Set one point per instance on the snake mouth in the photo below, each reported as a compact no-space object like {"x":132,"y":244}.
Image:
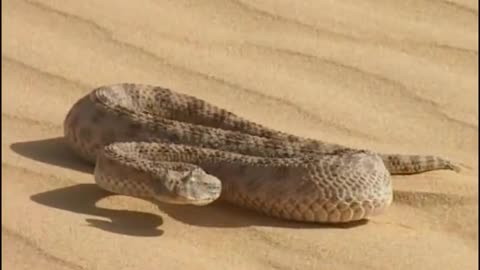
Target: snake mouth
{"x":187,"y":201}
{"x":201,"y":202}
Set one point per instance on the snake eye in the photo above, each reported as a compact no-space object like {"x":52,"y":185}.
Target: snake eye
{"x":189,"y":177}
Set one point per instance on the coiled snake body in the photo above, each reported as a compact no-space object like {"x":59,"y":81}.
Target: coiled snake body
{"x":151,"y":142}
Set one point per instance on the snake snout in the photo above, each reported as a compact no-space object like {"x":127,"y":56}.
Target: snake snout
{"x":201,"y":188}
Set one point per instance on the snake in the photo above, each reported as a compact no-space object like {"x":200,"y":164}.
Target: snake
{"x":151,"y":142}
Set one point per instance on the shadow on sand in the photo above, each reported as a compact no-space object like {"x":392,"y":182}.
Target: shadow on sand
{"x":82,"y":198}
{"x":52,"y":151}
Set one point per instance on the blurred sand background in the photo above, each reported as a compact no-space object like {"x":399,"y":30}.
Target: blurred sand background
{"x":392,"y":76}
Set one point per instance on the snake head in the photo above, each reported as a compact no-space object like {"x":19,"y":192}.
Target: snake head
{"x":194,"y":187}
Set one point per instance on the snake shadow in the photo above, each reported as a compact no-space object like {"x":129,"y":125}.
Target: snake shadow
{"x":82,"y":198}
{"x":53,"y":151}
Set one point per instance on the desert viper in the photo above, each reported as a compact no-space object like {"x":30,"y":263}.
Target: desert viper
{"x":152,"y":142}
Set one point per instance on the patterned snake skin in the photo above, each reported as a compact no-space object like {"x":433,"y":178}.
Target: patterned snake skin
{"x":152,"y":142}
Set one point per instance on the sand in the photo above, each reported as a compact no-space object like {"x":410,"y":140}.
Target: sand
{"x":391,"y":76}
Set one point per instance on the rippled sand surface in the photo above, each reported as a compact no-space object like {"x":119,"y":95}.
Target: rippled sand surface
{"x":392,"y":76}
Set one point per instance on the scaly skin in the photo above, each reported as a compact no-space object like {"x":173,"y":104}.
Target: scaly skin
{"x":146,"y":139}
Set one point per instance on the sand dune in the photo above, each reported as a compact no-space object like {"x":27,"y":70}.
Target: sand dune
{"x":392,"y":76}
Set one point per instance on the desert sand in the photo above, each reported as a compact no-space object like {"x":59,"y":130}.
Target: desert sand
{"x":391,"y":76}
